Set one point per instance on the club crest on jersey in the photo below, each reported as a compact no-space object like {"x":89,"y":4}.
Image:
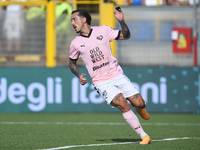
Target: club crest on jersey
{"x":99,"y":37}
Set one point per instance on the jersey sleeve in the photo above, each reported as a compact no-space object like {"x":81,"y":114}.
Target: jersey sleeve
{"x":74,"y":53}
{"x":111,"y":33}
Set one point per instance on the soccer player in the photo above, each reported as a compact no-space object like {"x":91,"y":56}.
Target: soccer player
{"x":92,"y":44}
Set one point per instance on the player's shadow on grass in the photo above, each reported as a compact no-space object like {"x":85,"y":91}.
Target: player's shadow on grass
{"x":122,"y":140}
{"x":126,"y":140}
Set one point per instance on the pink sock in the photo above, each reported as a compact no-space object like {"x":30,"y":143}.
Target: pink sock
{"x":133,"y":121}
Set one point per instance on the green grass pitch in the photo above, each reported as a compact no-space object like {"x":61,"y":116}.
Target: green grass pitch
{"x":96,"y":131}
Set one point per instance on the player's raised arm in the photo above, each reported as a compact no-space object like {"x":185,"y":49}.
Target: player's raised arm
{"x":125,"y":33}
{"x":74,"y":69}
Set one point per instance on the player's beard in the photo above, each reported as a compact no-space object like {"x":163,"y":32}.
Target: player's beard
{"x":75,"y":29}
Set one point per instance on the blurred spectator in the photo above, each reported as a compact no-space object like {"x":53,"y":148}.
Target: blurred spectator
{"x":126,"y":2}
{"x":63,"y":20}
{"x":136,"y":2}
{"x":36,"y":19}
{"x":177,"y":2}
{"x":13,"y":25}
{"x":111,"y":1}
{"x":153,"y":2}
{"x":2,"y":8}
{"x":35,"y":11}
{"x":63,"y":8}
{"x":35,"y":32}
{"x":191,"y":2}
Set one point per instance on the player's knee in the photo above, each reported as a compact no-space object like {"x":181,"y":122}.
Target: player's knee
{"x":140,"y":103}
{"x":143,"y":105}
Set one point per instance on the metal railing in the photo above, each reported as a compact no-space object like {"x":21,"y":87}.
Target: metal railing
{"x":150,"y":43}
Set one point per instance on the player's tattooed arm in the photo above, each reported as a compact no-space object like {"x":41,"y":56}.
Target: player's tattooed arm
{"x":124,"y":30}
{"x":74,"y":68}
{"x":124,"y":33}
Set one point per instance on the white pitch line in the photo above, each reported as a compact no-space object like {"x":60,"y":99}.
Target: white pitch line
{"x":106,"y":144}
{"x":102,"y":123}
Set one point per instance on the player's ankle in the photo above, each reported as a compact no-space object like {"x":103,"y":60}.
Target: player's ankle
{"x":143,"y":134}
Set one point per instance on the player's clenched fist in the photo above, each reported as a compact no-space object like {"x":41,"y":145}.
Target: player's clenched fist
{"x":82,"y":80}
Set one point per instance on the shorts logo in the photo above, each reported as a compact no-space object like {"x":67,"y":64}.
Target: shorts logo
{"x":104,"y":94}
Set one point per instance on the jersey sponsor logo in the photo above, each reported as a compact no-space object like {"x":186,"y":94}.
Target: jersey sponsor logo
{"x":96,"y":55}
{"x":99,"y":37}
{"x":100,"y":66}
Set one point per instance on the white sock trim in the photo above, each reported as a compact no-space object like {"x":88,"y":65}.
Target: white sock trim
{"x":143,"y":134}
